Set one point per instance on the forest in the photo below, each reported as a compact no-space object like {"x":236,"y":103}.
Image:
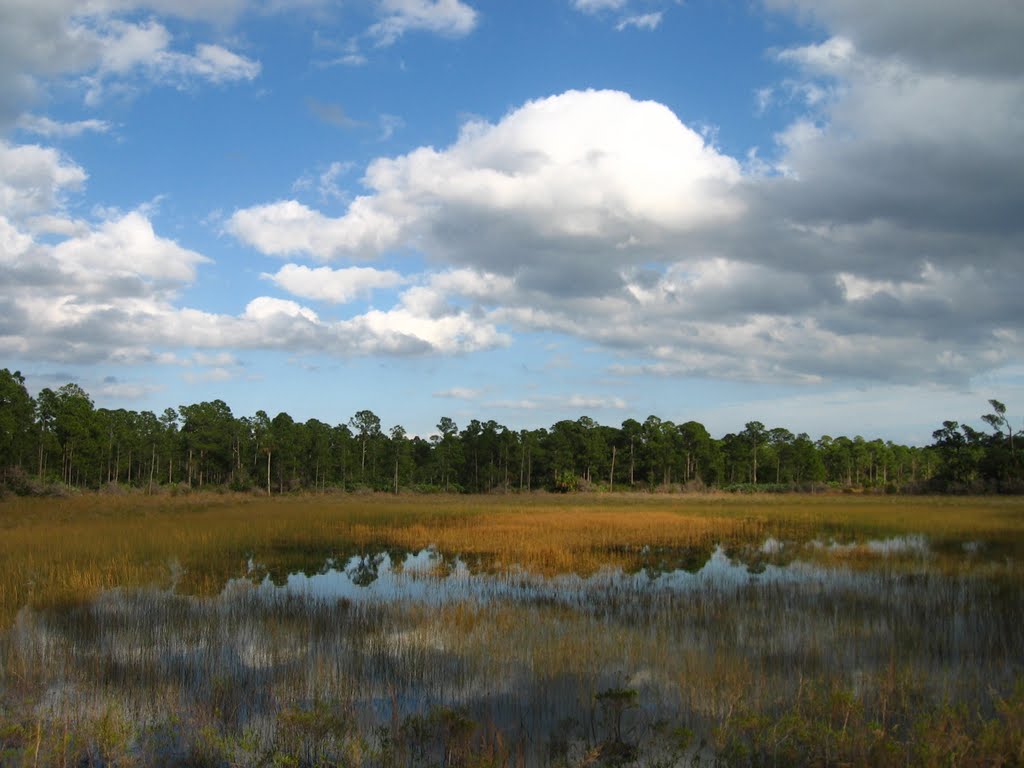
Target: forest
{"x":60,"y":440}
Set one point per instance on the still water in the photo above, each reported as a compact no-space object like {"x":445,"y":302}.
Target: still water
{"x":547,"y":664}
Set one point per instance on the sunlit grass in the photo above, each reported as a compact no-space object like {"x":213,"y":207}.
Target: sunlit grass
{"x":67,"y":550}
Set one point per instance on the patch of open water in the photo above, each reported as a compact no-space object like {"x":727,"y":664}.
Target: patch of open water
{"x":429,"y":577}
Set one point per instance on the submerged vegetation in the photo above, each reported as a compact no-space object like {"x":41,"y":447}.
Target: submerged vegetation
{"x":610,"y":629}
{"x":60,"y":441}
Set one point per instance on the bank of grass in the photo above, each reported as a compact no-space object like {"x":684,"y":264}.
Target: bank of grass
{"x":63,"y":551}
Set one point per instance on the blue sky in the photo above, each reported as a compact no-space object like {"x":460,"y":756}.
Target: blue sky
{"x":805,"y":213}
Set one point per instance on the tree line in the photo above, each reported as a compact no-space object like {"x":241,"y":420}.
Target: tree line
{"x":60,"y":439}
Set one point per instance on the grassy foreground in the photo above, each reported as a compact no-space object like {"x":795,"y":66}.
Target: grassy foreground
{"x":792,"y":630}
{"x":57,"y":552}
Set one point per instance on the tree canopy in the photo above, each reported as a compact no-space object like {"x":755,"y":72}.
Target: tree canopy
{"x":60,"y":437}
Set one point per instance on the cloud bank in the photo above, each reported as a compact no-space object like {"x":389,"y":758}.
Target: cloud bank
{"x":879,"y":238}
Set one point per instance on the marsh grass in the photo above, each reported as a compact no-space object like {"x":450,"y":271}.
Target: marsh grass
{"x":166,"y":631}
{"x":62,"y":551}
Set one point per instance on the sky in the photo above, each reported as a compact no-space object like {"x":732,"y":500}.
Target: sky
{"x":804,"y":212}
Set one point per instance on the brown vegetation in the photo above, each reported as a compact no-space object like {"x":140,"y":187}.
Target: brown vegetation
{"x":866,"y":633}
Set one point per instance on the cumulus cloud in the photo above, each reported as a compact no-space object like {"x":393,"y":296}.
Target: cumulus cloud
{"x":878,"y":240}
{"x":592,"y":172}
{"x":289,"y":228}
{"x":124,"y":319}
{"x":338,"y":286}
{"x":35,"y":179}
{"x":130,"y":49}
{"x":128,"y":246}
{"x":108,"y":291}
{"x":451,"y":18}
{"x":100,"y":43}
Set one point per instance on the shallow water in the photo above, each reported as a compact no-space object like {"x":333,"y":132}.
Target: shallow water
{"x":387,"y":638}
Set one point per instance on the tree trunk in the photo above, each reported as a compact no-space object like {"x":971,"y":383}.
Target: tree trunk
{"x":522,"y":466}
{"x":611,"y":472}
{"x":631,"y":482}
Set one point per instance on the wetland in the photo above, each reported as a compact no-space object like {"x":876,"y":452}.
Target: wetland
{"x":511,"y":630}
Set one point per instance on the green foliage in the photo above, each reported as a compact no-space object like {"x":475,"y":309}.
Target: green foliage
{"x":566,"y":481}
{"x":60,"y":437}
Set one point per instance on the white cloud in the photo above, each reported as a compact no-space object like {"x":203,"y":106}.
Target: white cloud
{"x":338,"y":286}
{"x":596,"y":6}
{"x":265,"y":307}
{"x":451,"y":18}
{"x":127,"y":246}
{"x":646,"y":21}
{"x":592,"y":171}
{"x":289,"y":228}
{"x":326,"y":182}
{"x":13,"y":243}
{"x":108,"y":291}
{"x":218,"y":64}
{"x":836,"y":56}
{"x":143,"y":49}
{"x":45,"y":126}
{"x":433,"y":326}
{"x":880,"y":239}
{"x":100,"y":45}
{"x":33,"y":179}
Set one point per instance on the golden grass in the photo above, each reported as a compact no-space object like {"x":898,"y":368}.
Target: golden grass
{"x":751,"y":666}
{"x":62,"y":551}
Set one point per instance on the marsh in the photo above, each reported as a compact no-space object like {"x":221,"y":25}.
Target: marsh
{"x":526,"y":633}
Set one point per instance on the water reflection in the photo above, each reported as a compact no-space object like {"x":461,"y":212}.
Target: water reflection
{"x":419,"y":642}
{"x":430,"y":577}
